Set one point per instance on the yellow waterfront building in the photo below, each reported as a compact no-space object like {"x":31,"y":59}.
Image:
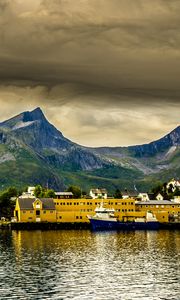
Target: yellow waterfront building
{"x":35,"y":210}
{"x":164,"y":210}
{"x":76,"y":210}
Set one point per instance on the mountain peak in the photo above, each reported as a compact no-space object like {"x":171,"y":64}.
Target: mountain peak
{"x":34,"y":115}
{"x":24,"y":118}
{"x":37,"y":113}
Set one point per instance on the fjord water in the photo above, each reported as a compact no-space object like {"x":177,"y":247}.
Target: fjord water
{"x":85,"y":265}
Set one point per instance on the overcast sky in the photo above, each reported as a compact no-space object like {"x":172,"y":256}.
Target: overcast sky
{"x":105,"y":72}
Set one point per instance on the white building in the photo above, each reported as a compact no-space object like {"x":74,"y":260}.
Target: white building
{"x":98,"y":193}
{"x":29,"y":193}
{"x":159,"y":197}
{"x":176,"y":199}
{"x":174,"y":183}
{"x":143,"y":196}
{"x":31,"y":190}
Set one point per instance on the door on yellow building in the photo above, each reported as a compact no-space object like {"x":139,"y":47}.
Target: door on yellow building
{"x":38,"y":218}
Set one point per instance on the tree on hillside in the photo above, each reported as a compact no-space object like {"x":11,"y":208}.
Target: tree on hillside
{"x":117,"y":194}
{"x":12,"y":191}
{"x":7,"y":204}
{"x":176,"y":192}
{"x":49,"y":194}
{"x":41,"y":192}
{"x":38,"y":192}
{"x":170,"y":189}
{"x":75,"y":190}
{"x":158,"y":189}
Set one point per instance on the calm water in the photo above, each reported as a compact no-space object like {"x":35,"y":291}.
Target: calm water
{"x":85,"y":265}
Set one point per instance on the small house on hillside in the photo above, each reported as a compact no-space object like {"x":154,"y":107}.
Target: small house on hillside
{"x":98,"y":193}
{"x":159,"y":197}
{"x":143,"y":196}
{"x":129,"y":194}
{"x":174,"y":184}
{"x":29,"y":193}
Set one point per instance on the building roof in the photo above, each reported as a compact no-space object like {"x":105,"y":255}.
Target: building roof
{"x":27,"y":203}
{"x":151,"y":196}
{"x":155,"y":202}
{"x":63,"y":193}
{"x":129,"y":193}
{"x":99,"y":191}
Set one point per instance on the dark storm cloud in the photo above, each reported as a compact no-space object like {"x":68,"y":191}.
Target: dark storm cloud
{"x":84,"y":56}
{"x":104,"y":43}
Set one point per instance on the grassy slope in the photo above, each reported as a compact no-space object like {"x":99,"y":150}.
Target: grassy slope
{"x":27,"y":169}
{"x":30,"y":169}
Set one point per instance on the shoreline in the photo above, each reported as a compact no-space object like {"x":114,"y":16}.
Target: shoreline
{"x":68,"y":226}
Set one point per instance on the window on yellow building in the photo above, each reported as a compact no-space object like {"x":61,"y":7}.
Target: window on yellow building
{"x":51,"y":211}
{"x":77,"y":217}
{"x":60,"y":217}
{"x":24,"y":211}
{"x":31,"y":211}
{"x":44,"y":212}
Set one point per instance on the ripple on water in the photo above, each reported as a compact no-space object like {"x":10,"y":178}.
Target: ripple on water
{"x":84,"y":265}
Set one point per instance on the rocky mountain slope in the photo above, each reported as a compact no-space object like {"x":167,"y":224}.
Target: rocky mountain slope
{"x":149,"y":158}
{"x":33,"y":151}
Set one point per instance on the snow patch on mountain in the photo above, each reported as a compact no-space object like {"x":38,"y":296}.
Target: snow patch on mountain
{"x":22,"y":124}
{"x":170,"y":151}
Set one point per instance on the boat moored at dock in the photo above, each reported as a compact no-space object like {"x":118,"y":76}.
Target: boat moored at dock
{"x":105,"y":219}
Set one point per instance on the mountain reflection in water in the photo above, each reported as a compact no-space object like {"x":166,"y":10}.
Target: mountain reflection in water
{"x":85,"y":265}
